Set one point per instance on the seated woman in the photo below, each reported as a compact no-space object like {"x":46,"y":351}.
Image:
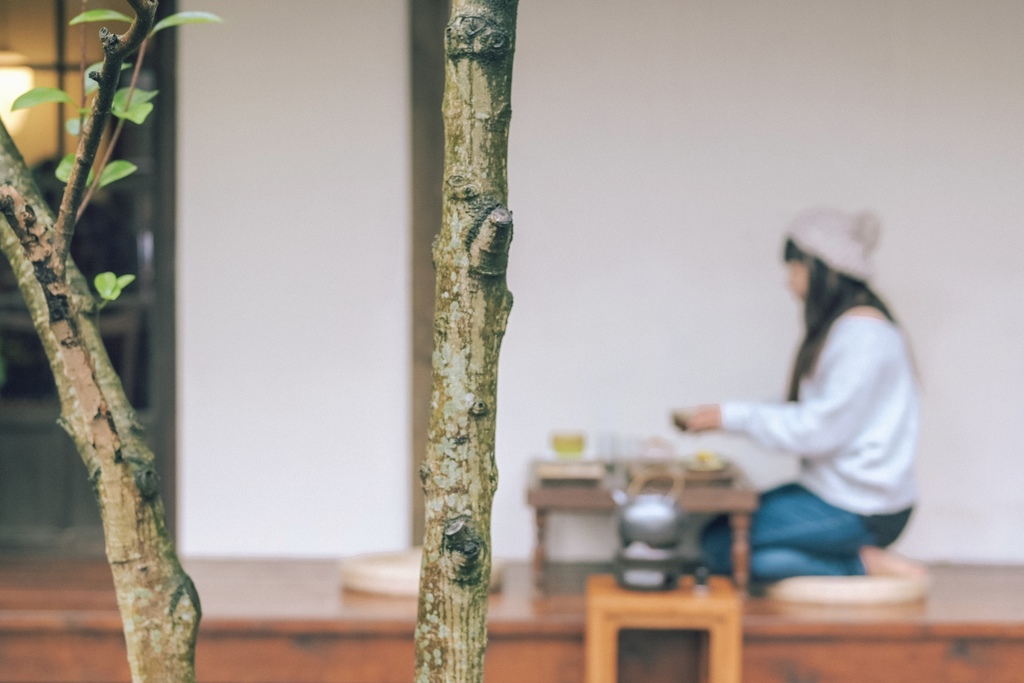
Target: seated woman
{"x":851,"y":418}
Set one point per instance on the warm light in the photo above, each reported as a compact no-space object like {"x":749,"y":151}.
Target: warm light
{"x":15,"y":80}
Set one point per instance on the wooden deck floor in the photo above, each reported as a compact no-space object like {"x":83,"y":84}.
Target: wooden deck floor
{"x":282,"y":621}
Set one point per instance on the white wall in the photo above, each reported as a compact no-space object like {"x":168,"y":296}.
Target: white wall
{"x":657,"y":151}
{"x":292,"y":262}
{"x":658,"y":148}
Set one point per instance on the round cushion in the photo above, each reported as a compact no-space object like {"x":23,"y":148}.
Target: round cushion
{"x":392,"y":573}
{"x":849,"y":590}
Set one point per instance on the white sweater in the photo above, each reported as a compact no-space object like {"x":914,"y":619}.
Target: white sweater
{"x":855,"y":425}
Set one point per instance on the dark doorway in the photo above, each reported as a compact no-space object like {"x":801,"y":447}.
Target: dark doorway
{"x":46,"y":504}
{"x":427,"y":20}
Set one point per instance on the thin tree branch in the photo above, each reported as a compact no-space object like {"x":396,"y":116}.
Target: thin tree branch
{"x":81,"y":70}
{"x":117,"y":133}
{"x":116,"y":49}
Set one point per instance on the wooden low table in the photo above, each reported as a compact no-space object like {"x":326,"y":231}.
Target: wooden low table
{"x":738,"y":499}
{"x":715,"y":613}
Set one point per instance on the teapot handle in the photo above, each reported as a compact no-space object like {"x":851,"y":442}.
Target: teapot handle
{"x":653,"y":473}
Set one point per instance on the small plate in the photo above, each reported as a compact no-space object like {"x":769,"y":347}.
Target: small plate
{"x":706,"y":461}
{"x":723,"y":474}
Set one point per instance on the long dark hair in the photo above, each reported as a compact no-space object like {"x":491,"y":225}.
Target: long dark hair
{"x":829,"y":295}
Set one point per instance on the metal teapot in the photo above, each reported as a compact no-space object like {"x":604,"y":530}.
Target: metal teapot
{"x":651,"y":528}
{"x":654,"y":519}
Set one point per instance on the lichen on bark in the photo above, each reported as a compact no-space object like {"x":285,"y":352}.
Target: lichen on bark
{"x":472,"y":305}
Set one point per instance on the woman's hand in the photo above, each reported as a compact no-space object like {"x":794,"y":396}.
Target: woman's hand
{"x":699,"y":419}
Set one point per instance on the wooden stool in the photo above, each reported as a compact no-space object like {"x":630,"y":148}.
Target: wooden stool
{"x":717,"y":612}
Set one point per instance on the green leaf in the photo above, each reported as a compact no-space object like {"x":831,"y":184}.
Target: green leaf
{"x":138,"y":97}
{"x":106,"y":285}
{"x":186,"y":18}
{"x":110,"y":286}
{"x":92,"y":86}
{"x":63,"y":171}
{"x":116,"y":170}
{"x":99,"y":15}
{"x":73,"y":126}
{"x":41,"y":96}
{"x":137,"y":113}
{"x":140,"y":107}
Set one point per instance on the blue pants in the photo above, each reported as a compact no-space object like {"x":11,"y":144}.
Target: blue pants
{"x":792,"y":533}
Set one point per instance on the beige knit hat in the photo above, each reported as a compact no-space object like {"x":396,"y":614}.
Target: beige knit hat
{"x":843,"y":241}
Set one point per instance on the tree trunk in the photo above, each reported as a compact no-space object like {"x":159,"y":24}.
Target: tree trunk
{"x":471,"y":309}
{"x":158,"y":602}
